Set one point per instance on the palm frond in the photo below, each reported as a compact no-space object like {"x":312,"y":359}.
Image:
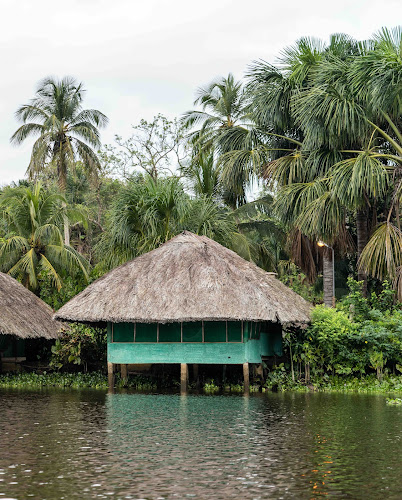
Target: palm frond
{"x":382,"y":256}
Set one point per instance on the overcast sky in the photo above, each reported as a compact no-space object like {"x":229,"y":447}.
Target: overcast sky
{"x":139,"y":58}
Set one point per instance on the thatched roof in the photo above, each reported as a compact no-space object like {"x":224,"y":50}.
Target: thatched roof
{"x":24,"y":314}
{"x":189,"y":278}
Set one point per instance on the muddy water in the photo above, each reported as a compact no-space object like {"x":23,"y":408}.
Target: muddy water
{"x":88,"y":444}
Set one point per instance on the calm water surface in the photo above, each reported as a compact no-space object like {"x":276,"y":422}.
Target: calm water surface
{"x":94,"y":445}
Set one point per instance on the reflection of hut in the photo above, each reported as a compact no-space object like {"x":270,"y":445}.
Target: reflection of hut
{"x":189,"y":301}
{"x":22,"y":316}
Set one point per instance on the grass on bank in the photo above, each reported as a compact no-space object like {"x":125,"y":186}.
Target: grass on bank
{"x":276,"y":382}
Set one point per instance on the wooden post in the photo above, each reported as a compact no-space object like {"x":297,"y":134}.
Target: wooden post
{"x":183,"y":377}
{"x":246,"y":376}
{"x":110,"y":375}
{"x":123,"y":371}
{"x":196,"y":376}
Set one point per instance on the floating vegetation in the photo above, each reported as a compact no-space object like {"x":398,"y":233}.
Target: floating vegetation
{"x":394,"y":402}
{"x":96,"y":380}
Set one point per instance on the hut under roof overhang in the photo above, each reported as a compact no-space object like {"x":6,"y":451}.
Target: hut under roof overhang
{"x":189,"y":301}
{"x":23,"y":316}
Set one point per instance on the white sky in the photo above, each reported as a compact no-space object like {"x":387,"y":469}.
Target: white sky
{"x":138,"y":58}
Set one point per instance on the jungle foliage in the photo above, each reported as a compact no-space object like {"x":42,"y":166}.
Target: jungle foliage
{"x":360,"y":336}
{"x":308,"y":149}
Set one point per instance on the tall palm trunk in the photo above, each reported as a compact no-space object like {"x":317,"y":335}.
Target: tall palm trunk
{"x":66,"y":229}
{"x":362,"y":238}
{"x":62,"y":181}
{"x":328,"y":277}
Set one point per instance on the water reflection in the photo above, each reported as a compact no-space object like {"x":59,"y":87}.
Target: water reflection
{"x":94,"y":445}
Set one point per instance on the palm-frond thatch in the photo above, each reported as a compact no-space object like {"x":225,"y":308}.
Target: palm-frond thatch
{"x":22,"y":313}
{"x":189,"y":278}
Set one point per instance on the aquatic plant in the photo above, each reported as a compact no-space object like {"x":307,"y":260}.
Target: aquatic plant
{"x":394,"y":402}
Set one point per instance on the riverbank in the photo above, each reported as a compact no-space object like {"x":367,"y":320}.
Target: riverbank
{"x":335,"y":383}
{"x":278,"y":383}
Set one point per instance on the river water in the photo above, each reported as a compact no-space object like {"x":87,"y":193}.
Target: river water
{"x":89,"y":444}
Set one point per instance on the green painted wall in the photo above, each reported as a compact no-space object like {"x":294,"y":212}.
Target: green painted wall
{"x":169,"y":349}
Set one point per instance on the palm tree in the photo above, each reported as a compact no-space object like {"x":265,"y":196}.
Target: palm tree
{"x":149,"y":212}
{"x":33,"y":242}
{"x":224,"y":106}
{"x":203,"y":174}
{"x":221,"y":126}
{"x":356,"y":105}
{"x":65,"y":131}
{"x":289,"y":166}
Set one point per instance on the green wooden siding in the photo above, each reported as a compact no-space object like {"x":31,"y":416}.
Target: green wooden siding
{"x":214,"y":342}
{"x":271,"y":341}
{"x":207,"y":353}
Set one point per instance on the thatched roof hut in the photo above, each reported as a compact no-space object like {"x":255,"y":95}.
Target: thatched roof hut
{"x":189,"y":278}
{"x":22,"y":313}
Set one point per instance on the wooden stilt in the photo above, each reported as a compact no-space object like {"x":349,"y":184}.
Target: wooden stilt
{"x":123,"y":371}
{"x":110,"y":375}
{"x":259,"y":374}
{"x":246,"y":376}
{"x":196,"y":376}
{"x":183,"y":377}
{"x":224,"y":375}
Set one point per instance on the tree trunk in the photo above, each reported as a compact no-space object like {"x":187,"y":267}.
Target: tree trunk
{"x":362,"y":238}
{"x":66,"y":230}
{"x":328,"y":277}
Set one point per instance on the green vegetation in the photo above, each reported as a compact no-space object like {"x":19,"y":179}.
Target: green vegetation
{"x":319,"y":135}
{"x":277,"y":380}
{"x":80,"y":345}
{"x":357,"y":345}
{"x":94,"y":380}
{"x":32,"y":243}
{"x":281,"y":380}
{"x":65,"y":131}
{"x":394,"y":402}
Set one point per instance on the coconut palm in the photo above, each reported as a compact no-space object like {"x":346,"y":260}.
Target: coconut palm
{"x":65,"y":131}
{"x":33,"y":242}
{"x":222,"y":125}
{"x":224,"y":106}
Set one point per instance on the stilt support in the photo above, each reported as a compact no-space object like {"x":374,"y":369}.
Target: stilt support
{"x":246,"y":376}
{"x":183,"y":377}
{"x":123,"y":371}
{"x":196,"y":376}
{"x":110,"y":375}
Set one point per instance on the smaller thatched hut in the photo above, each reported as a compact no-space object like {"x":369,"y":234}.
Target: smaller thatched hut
{"x":22,"y":316}
{"x":189,"y":301}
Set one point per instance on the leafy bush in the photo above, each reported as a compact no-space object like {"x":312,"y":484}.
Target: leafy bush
{"x":359,"y":336}
{"x":80,"y":345}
